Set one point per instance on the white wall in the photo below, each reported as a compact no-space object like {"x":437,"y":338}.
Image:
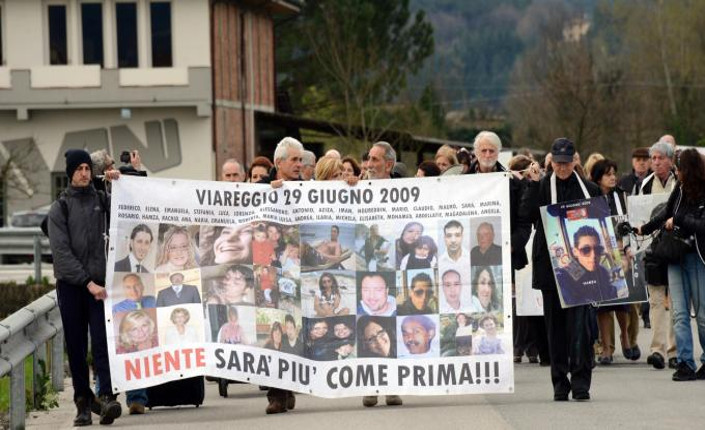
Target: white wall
{"x":26,"y":35}
{"x":190,"y":30}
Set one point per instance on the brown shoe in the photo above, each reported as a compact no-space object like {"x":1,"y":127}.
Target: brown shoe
{"x":290,"y":401}
{"x":136,"y":409}
{"x":275,"y":406}
{"x":393,"y":400}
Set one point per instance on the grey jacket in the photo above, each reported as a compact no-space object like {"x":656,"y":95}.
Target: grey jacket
{"x":77,"y":242}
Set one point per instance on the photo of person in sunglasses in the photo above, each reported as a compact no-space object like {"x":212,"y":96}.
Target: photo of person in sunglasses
{"x":420,"y":297}
{"x":591,"y":282}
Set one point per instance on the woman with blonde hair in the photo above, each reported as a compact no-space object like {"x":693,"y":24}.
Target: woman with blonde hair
{"x":446,"y":158}
{"x":177,"y":251}
{"x":329,"y":169}
{"x":590,"y":163}
{"x":137,"y":332}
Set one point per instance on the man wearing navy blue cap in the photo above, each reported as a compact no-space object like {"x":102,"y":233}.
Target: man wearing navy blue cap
{"x":77,"y":224}
{"x":569,"y":337}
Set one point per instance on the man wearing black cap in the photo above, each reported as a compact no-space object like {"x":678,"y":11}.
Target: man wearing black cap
{"x":641,"y":167}
{"x":569,"y":337}
{"x":77,"y":224}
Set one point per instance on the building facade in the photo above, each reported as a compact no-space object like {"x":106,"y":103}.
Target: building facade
{"x":177,"y":80}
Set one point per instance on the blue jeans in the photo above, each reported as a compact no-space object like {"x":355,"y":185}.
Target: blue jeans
{"x":686,"y":283}
{"x":133,"y":396}
{"x":136,"y":396}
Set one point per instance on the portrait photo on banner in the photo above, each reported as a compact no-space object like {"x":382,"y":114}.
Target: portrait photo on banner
{"x":583,"y":247}
{"x":456,"y":334}
{"x":327,"y":247}
{"x":374,"y":247}
{"x":328,"y":293}
{"x":418,"y":292}
{"x":176,"y":248}
{"x":178,"y":288}
{"x":137,"y":251}
{"x":132,"y":291}
{"x":328,"y":339}
{"x":135,"y":330}
{"x":230,"y":244}
{"x":486,"y":241}
{"x":418,"y":336}
{"x":454,"y":251}
{"x":376,"y":337}
{"x":178,"y":325}
{"x":416,"y":245}
{"x":231,"y":324}
{"x":228,"y":284}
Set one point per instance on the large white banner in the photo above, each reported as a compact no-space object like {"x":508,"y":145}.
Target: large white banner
{"x":386,"y":287}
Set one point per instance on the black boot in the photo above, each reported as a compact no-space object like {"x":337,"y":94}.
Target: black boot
{"x":111,"y":409}
{"x":96,"y":405}
{"x":83,"y":412}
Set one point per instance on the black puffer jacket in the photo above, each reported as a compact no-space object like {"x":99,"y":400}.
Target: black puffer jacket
{"x":77,"y":242}
{"x":538,"y":194}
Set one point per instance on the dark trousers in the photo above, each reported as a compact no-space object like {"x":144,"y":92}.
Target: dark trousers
{"x":80,"y":312}
{"x":570,"y":340}
{"x":529,"y":335}
{"x":278,"y":394}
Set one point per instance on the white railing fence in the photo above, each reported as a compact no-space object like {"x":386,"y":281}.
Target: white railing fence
{"x":34,"y":330}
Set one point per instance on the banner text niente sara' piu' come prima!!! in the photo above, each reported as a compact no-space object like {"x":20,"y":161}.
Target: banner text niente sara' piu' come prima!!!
{"x":387,"y":287}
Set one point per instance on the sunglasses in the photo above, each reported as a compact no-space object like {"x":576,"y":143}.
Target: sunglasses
{"x":421,"y":292}
{"x":587,"y":250}
{"x":375,"y":337}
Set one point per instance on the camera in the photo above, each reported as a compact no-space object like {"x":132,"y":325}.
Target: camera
{"x":625,"y":229}
{"x":125,"y":157}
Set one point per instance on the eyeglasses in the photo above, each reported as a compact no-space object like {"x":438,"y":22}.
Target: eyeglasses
{"x":587,"y":250}
{"x":421,"y":292}
{"x":375,"y":337}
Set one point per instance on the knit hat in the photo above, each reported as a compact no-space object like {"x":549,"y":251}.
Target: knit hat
{"x":74,"y":158}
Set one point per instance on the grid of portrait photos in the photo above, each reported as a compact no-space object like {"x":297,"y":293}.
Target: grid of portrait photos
{"x":322,"y":291}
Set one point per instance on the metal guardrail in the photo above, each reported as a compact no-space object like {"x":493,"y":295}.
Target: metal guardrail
{"x":20,"y":241}
{"x":29,"y":332}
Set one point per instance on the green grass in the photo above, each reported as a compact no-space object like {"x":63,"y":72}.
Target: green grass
{"x":5,"y":385}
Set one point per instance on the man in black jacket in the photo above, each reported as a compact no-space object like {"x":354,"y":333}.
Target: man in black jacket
{"x":641,"y":163}
{"x":77,"y":227}
{"x":569,"y":330}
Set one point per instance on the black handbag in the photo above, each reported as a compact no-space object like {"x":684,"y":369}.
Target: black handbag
{"x":669,"y":246}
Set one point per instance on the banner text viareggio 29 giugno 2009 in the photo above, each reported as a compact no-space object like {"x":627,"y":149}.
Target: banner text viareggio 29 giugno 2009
{"x":387,"y":287}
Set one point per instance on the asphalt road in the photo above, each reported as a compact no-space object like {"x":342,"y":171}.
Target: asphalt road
{"x":625,"y":395}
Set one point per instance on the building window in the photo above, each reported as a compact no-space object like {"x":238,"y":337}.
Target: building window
{"x":58,"y":48}
{"x":160,"y":19}
{"x":126,"y":24}
{"x":92,"y":28}
{"x":59,"y":182}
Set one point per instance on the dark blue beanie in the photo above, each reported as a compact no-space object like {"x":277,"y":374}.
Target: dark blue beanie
{"x":74,"y":158}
